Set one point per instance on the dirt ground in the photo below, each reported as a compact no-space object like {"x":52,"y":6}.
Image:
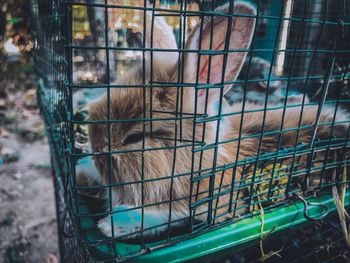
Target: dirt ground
{"x":28,"y":230}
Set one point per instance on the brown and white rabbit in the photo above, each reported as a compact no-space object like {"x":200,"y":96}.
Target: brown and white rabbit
{"x":162,"y":162}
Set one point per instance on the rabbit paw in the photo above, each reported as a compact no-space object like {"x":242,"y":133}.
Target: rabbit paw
{"x":105,"y":226}
{"x":119,"y":230}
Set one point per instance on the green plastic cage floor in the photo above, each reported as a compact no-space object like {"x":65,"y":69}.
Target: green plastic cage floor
{"x":234,"y":236}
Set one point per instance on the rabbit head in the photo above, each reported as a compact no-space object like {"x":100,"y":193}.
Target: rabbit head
{"x":146,"y":141}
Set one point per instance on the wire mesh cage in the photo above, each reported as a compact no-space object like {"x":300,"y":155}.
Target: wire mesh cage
{"x":183,"y":128}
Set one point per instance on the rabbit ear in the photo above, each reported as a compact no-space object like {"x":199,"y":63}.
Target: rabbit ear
{"x":161,"y":36}
{"x":216,"y":29}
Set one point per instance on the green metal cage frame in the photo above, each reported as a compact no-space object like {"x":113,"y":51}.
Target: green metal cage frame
{"x":55,"y":48}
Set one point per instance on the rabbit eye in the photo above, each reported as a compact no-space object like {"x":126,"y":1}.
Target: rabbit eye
{"x":133,"y":138}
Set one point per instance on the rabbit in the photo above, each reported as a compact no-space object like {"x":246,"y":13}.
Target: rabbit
{"x":166,"y":198}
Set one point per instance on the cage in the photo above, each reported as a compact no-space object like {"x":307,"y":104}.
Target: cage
{"x":184,"y":129}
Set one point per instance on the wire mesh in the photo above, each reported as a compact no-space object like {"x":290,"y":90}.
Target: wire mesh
{"x":167,"y":119}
